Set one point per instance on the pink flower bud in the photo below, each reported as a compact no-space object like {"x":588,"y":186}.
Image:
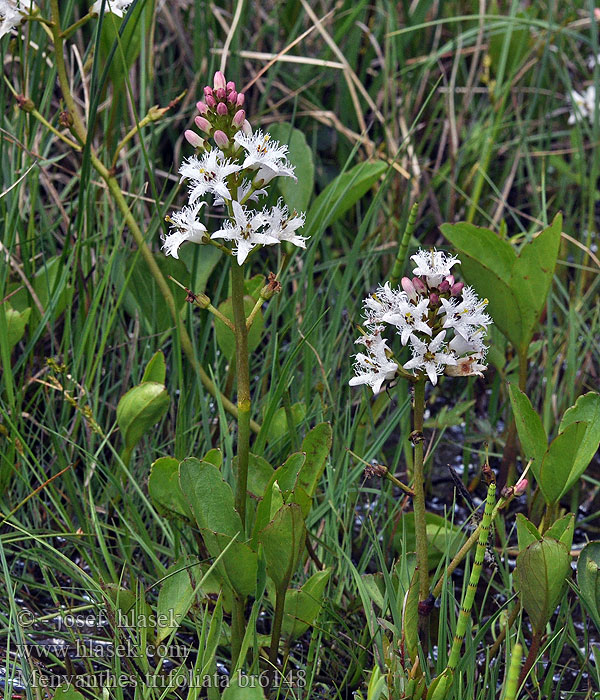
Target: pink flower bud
{"x":434,"y":298}
{"x":457,"y":288}
{"x":450,"y":279}
{"x":247,"y":128}
{"x":208,"y":90}
{"x":230,"y":85}
{"x":238,"y":118}
{"x":232,"y":97}
{"x":193,"y":138}
{"x":521,"y":487}
{"x":221,"y":139}
{"x":444,"y":286}
{"x":219,"y":80}
{"x":210,"y":101}
{"x":222,"y":109}
{"x":408,"y":287}
{"x":220,"y":94}
{"x":241,"y":98}
{"x":419,"y":286}
{"x":203,"y":124}
{"x":202,"y":107}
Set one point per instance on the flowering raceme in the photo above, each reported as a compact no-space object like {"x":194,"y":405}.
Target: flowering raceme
{"x":235,"y":169}
{"x":441,"y":320}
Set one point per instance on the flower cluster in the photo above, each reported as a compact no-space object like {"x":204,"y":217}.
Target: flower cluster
{"x":235,"y":169}
{"x":441,"y":320}
{"x":11,"y":13}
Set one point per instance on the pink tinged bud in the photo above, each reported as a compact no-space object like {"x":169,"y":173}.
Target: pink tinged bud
{"x":450,"y":279}
{"x":210,"y":101}
{"x":193,"y":138}
{"x":247,"y":128}
{"x":240,"y":99}
{"x":221,"y":139}
{"x":408,"y":287}
{"x":208,"y":90}
{"x":232,"y":97}
{"x":222,"y":109}
{"x":219,"y":80}
{"x":220,"y":94}
{"x":444,"y":286}
{"x":238,"y":118}
{"x":434,"y":298}
{"x":419,"y":286}
{"x":457,"y":288}
{"x":230,"y":85}
{"x":202,"y":107}
{"x":521,"y":487}
{"x":203,"y":124}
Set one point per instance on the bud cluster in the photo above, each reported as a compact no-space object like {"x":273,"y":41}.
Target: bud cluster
{"x":235,"y":169}
{"x":221,"y":113}
{"x":441,"y":320}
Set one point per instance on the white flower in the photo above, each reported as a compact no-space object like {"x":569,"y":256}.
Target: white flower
{"x":472,"y":345}
{"x":265,"y":154}
{"x":374,"y":368}
{"x":592,"y":60}
{"x":208,"y":174}
{"x":117,"y":7}
{"x":185,"y":227}
{"x":245,"y":231}
{"x":241,"y":193}
{"x":283,"y":227}
{"x":408,"y":318}
{"x":11,"y":13}
{"x":466,"y":367}
{"x":467,"y":316}
{"x":433,"y":264}
{"x":582,"y":104}
{"x":430,"y":356}
{"x":385,"y":300}
{"x":469,"y":351}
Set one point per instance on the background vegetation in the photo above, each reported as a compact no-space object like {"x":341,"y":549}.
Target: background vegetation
{"x":467,"y":107}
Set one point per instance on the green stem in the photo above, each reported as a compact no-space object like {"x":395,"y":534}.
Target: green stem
{"x":419,"y":492}
{"x":257,"y":307}
{"x":509,"y":454}
{"x":463,"y":551}
{"x":403,"y":248}
{"x":243,"y":388}
{"x":512,"y":678}
{"x":238,"y":627}
{"x":75,"y":26}
{"x":276,"y":635}
{"x":467,"y":604}
{"x":531,"y":657}
{"x":243,"y":436}
{"x":493,"y":650}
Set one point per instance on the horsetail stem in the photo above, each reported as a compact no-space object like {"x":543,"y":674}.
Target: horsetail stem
{"x":512,"y":679}
{"x":403,"y":248}
{"x":465,"y":610}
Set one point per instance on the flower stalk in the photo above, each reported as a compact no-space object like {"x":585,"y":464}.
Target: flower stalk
{"x":419,"y":496}
{"x":243,"y":388}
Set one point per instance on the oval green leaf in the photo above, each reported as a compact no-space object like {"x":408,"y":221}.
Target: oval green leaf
{"x":139,"y":409}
